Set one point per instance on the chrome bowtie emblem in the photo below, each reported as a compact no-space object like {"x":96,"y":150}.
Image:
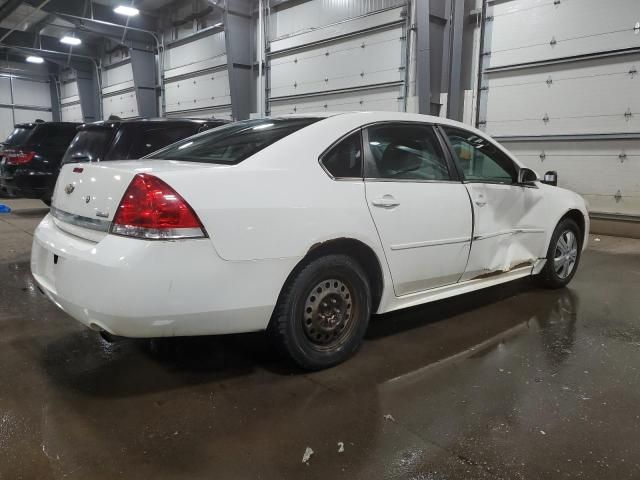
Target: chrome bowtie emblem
{"x":69,"y":189}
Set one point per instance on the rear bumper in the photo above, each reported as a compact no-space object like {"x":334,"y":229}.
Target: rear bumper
{"x":27,"y":184}
{"x":138,"y":288}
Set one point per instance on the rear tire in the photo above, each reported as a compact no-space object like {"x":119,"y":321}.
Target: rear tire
{"x":563,"y":255}
{"x":323,"y":312}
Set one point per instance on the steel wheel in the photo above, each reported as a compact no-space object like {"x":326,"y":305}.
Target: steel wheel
{"x":328,"y":310}
{"x":566,"y":253}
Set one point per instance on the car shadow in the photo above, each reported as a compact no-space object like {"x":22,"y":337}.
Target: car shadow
{"x":84,"y":362}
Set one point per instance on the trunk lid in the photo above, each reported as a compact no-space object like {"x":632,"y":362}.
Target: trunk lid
{"x":87,"y":195}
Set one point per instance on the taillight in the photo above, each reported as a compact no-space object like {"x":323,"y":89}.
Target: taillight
{"x":153,"y":210}
{"x":18,"y":157}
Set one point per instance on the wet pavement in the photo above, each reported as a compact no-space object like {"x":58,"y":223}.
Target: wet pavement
{"x":512,"y":382}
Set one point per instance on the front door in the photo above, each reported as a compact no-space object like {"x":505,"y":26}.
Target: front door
{"x":507,"y":223}
{"x":421,"y":210}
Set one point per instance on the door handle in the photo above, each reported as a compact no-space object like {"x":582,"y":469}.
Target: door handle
{"x":385,"y":202}
{"x":481,"y":203}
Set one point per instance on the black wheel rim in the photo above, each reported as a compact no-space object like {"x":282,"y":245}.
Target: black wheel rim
{"x":329,"y":313}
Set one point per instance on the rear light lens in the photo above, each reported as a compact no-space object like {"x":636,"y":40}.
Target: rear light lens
{"x":153,"y":210}
{"x":18,"y":157}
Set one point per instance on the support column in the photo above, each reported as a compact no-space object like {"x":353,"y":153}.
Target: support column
{"x":237,"y":34}
{"x":143,"y":65}
{"x":455,"y":96}
{"x":423,"y":59}
{"x":87,"y":91}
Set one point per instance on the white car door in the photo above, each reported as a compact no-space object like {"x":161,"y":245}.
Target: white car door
{"x":420,"y":207}
{"x":509,"y":227}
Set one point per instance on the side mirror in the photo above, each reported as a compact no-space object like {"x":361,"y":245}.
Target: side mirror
{"x":526,"y":176}
{"x":551,"y":178}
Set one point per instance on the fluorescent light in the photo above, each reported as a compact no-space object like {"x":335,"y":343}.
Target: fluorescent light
{"x":32,"y":59}
{"x":70,"y":40}
{"x":128,"y":11}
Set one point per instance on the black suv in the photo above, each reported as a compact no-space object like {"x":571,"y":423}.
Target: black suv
{"x":30,"y":158}
{"x":117,"y":139}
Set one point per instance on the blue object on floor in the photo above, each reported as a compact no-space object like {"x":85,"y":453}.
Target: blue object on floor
{"x":5,"y":208}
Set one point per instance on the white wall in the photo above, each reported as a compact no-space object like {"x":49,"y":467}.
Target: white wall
{"x":25,"y":95}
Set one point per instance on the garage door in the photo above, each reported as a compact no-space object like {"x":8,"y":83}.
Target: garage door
{"x":355,"y":64}
{"x":560,"y":88}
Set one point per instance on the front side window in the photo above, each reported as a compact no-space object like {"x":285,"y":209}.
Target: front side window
{"x":233,"y":143}
{"x":405,"y":152}
{"x":344,"y":160}
{"x":480,"y":160}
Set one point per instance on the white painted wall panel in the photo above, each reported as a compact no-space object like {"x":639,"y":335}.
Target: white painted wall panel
{"x":364,"y":60}
{"x":597,"y":170}
{"x":68,"y":89}
{"x":5,"y":90}
{"x":6,"y":122}
{"x":195,"y":51}
{"x":328,"y":31}
{"x":375,"y":99}
{"x":522,"y":30}
{"x":120,"y":74}
{"x":582,"y":97}
{"x":71,"y":113}
{"x":122,"y":105}
{"x":207,"y":90}
{"x":27,"y":92}
{"x":25,"y":115}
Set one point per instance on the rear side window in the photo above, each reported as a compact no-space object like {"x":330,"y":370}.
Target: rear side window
{"x":233,"y":143}
{"x":89,"y":145}
{"x":344,"y":160}
{"x":19,"y":136}
{"x":405,"y":152}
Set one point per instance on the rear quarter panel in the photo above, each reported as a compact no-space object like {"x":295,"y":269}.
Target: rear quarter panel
{"x":280,"y":202}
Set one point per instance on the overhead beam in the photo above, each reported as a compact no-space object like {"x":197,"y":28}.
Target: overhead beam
{"x":100,"y":12}
{"x":29,"y":39}
{"x":8,"y":8}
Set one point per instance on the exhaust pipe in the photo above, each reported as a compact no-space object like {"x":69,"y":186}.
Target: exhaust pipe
{"x":108,"y":337}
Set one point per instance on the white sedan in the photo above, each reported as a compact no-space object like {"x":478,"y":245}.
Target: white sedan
{"x":302,"y":225}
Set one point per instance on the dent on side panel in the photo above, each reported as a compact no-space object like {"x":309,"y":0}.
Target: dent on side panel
{"x":501,"y":254}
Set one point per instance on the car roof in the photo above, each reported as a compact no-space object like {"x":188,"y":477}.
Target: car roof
{"x":133,"y":121}
{"x":33,"y":124}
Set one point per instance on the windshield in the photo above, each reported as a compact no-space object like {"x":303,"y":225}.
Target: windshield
{"x":234,"y":142}
{"x":19,"y":136}
{"x":88,"y":145}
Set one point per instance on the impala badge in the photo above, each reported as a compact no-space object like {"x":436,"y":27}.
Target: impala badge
{"x":69,"y":189}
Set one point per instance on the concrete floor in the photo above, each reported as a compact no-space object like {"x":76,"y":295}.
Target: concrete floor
{"x":512,"y":382}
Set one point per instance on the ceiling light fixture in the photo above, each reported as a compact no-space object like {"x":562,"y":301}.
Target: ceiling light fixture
{"x":70,"y":40}
{"x":128,"y":11}
{"x":32,"y":59}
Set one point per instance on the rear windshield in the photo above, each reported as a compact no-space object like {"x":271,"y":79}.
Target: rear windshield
{"x":19,"y":136}
{"x":234,"y":142}
{"x":137,"y":141}
{"x":89,"y":145}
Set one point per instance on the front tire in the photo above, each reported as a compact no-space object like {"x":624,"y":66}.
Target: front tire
{"x":563,"y":255}
{"x":323,"y":312}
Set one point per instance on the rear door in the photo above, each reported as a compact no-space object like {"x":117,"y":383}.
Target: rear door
{"x":508,"y":228}
{"x":420,"y":208}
